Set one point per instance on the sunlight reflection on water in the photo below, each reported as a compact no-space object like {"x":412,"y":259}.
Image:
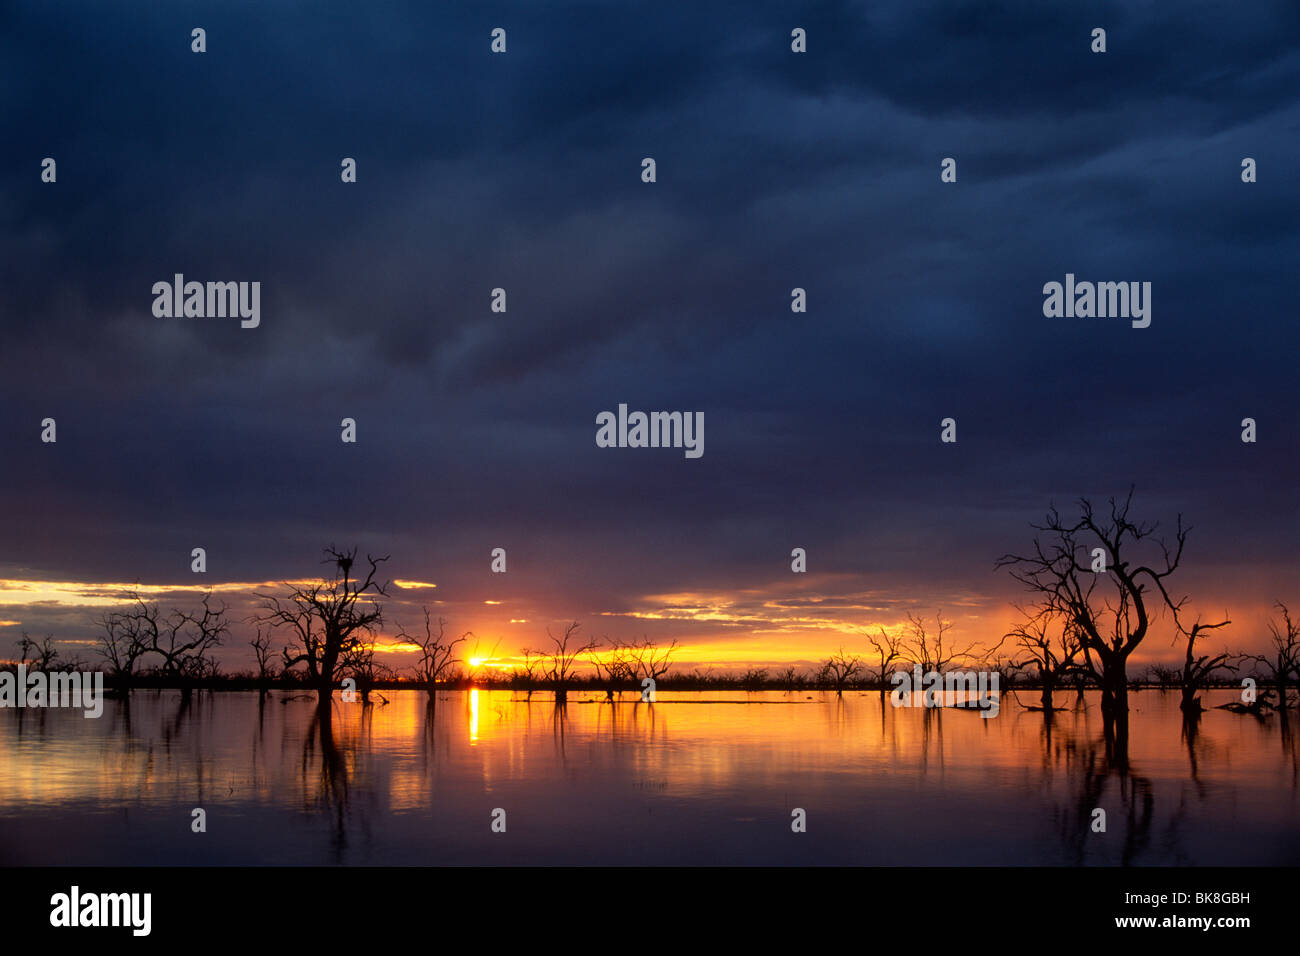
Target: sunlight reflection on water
{"x":697,"y":778}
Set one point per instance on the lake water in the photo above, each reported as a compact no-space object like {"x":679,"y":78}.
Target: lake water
{"x":697,"y":778}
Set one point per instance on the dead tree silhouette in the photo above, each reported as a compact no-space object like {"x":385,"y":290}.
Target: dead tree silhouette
{"x":1053,"y":657}
{"x":436,"y":652}
{"x":1198,"y":671}
{"x":126,"y":638}
{"x":1112,"y":609}
{"x":44,"y":653}
{"x":327,"y":620}
{"x":1283,"y":661}
{"x":840,"y":669}
{"x":889,"y":648}
{"x":562,"y":660}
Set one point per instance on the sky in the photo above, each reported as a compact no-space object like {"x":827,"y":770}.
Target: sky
{"x":522,"y":170}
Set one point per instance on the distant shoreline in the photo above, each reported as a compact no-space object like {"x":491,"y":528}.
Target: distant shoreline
{"x":683,"y":682}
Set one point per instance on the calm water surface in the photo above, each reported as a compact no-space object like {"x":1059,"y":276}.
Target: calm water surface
{"x":697,"y":778}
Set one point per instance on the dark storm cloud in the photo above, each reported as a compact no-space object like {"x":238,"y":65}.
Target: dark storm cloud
{"x":522,"y":171}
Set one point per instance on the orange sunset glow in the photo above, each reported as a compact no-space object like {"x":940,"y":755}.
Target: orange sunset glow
{"x":725,"y":630}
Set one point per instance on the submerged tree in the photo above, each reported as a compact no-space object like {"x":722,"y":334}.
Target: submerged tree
{"x":327,"y":619}
{"x":531,"y":666}
{"x":1052,"y":656}
{"x":562,"y":659}
{"x":126,"y":639}
{"x":1106,"y":577}
{"x":889,"y":648}
{"x":650,"y":661}
{"x":1283,"y":660}
{"x":1198,"y":671}
{"x":359,"y":663}
{"x":791,"y":678}
{"x":261,"y":645}
{"x":614,"y":666}
{"x":933,"y":649}
{"x":184,"y":640}
{"x":43,"y":653}
{"x":436,"y":652}
{"x":840,"y":669}
{"x":1164,"y":676}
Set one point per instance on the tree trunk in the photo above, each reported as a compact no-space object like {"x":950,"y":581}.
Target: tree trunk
{"x":1114,"y":711}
